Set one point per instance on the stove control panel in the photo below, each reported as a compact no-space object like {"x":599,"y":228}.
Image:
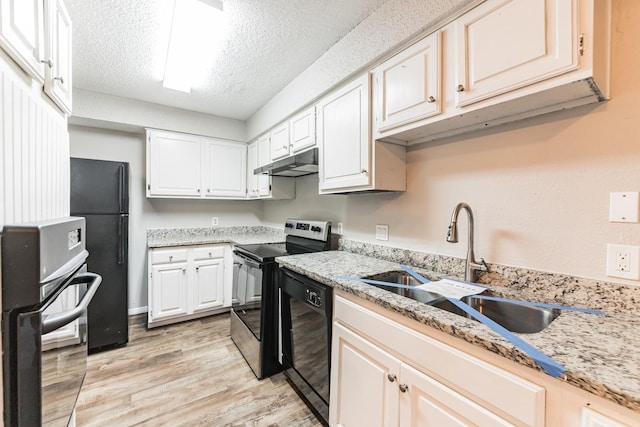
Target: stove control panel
{"x":317,"y":230}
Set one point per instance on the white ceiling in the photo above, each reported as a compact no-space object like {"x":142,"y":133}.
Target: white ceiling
{"x":119,"y":48}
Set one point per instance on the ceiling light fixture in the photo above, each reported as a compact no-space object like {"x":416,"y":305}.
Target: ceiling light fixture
{"x":196,"y":23}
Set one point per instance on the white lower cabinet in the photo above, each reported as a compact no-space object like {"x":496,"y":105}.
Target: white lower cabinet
{"x":188,"y":282}
{"x":385,"y":374}
{"x":373,"y":388}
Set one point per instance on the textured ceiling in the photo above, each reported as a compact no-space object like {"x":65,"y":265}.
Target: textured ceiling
{"x":119,"y":48}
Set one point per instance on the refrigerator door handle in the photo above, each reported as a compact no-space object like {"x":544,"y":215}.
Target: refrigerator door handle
{"x":121,"y":182}
{"x":122,"y":238}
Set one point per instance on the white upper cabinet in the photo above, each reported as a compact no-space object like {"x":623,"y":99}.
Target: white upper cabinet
{"x":58,"y":84}
{"x":21,"y":34}
{"x":344,"y":138}
{"x":264,"y":181}
{"x":280,"y":141}
{"x":225,"y":169}
{"x":302,"y":131}
{"x":407,"y":86}
{"x":173,"y":164}
{"x":504,"y":45}
{"x":252,"y":163}
{"x":190,"y":166}
{"x":500,"y":62}
{"x":349,"y":160}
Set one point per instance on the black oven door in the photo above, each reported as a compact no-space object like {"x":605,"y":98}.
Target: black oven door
{"x":47,"y":368}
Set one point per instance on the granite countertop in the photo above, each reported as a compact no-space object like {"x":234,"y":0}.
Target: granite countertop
{"x":240,"y":235}
{"x":599,"y":352}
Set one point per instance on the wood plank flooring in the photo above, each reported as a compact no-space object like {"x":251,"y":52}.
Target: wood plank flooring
{"x":187,"y":374}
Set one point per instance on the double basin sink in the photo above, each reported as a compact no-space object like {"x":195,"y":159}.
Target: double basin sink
{"x":514,"y":317}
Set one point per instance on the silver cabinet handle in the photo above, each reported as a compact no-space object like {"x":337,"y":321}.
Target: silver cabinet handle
{"x":403,"y":388}
{"x":59,"y":78}
{"x":285,"y":146}
{"x":49,"y":62}
{"x":391,"y":377}
{"x":363,"y":171}
{"x":209,"y":254}
{"x":184,"y":270}
{"x":197,"y":268}
{"x":198,"y":190}
{"x":460,"y":88}
{"x":431,"y":100}
{"x":170,"y":257}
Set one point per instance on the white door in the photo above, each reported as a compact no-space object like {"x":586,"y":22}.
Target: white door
{"x":208,"y":284}
{"x":427,"y":403}
{"x":302,"y":130}
{"x":264,"y":158}
{"x":407,"y":86}
{"x":174,"y":164}
{"x":503,"y":45}
{"x":169,"y":288}
{"x":344,"y":137}
{"x":21,"y":34}
{"x":280,"y":141}
{"x":58,"y":83}
{"x":252,"y":163}
{"x":364,"y":382}
{"x":226,"y":166}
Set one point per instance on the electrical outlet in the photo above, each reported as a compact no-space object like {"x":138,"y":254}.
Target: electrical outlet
{"x":382,"y":232}
{"x":339,"y":228}
{"x":623,"y":261}
{"x":214,"y":220}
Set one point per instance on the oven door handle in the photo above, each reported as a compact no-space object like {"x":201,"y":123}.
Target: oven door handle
{"x":56,"y":321}
{"x":248,"y":261}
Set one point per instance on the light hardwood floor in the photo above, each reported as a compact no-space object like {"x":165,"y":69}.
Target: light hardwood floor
{"x":187,"y":374}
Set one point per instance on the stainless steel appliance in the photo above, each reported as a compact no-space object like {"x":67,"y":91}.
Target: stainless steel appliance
{"x":100,"y":194}
{"x":306,"y":307}
{"x":254,"y":311}
{"x":45,"y":294}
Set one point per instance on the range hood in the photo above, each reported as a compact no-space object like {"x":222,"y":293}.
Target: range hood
{"x":302,"y":164}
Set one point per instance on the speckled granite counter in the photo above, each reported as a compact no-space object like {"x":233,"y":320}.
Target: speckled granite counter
{"x":599,"y":352}
{"x":162,"y":237}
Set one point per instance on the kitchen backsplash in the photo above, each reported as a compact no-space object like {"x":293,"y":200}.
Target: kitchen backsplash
{"x":606,"y":296}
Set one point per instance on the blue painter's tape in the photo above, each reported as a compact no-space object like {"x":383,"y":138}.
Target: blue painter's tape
{"x":539,"y":304}
{"x":549,"y":365}
{"x":374,"y":282}
{"x":415,"y":275}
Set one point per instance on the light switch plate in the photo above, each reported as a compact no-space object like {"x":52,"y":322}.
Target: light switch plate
{"x":623,"y":206}
{"x":382,"y":232}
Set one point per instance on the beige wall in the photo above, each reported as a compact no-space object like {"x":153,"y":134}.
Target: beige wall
{"x":539,"y":189}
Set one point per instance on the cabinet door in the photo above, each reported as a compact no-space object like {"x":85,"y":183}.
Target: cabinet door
{"x":428,"y":403}
{"x":264,"y":158}
{"x":344,"y":137}
{"x":169,"y":290}
{"x":252,"y":163}
{"x":226,"y":169}
{"x":502,"y":45}
{"x":302,"y":130}
{"x":21,"y":34}
{"x":280,"y":141}
{"x":208,"y":284}
{"x":364,"y":382}
{"x":57,"y":83}
{"x":407,"y":86}
{"x":173,"y":164}
{"x":594,"y":419}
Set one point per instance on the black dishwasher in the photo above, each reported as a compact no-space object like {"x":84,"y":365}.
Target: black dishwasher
{"x":306,"y":307}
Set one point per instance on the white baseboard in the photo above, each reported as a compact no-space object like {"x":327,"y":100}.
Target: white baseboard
{"x":137,"y":310}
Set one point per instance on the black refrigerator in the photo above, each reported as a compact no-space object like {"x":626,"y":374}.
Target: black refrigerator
{"x":100,"y":194}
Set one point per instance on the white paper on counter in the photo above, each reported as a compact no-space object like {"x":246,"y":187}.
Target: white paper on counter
{"x":452,"y":288}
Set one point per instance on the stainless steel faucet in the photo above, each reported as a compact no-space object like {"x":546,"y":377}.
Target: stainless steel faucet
{"x":471,"y":265}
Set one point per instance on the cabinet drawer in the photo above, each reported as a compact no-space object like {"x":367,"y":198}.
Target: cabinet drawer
{"x":208,"y":252}
{"x":160,"y":256}
{"x":486,"y":384}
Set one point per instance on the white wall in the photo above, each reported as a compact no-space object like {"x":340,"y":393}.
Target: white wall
{"x":153,"y":213}
{"x":539,"y":189}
